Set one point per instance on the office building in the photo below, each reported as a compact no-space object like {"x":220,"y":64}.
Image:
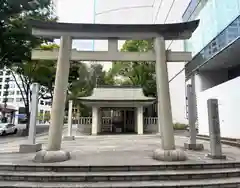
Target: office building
{"x":215,"y":67}
{"x":16,"y":100}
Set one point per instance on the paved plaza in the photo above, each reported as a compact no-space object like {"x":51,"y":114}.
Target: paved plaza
{"x":113,"y":150}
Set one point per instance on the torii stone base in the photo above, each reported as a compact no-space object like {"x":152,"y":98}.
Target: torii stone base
{"x":169,"y":155}
{"x":44,"y":156}
{"x":195,"y":147}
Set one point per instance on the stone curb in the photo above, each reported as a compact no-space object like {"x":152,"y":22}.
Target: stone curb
{"x":223,"y":141}
{"x":43,"y":167}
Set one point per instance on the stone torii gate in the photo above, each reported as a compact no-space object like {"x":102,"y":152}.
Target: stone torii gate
{"x":112,"y":32}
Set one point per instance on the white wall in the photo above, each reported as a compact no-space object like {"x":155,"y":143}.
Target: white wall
{"x":229,"y":107}
{"x":209,"y":79}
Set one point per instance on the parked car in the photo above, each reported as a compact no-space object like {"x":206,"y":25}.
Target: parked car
{"x":7,"y":128}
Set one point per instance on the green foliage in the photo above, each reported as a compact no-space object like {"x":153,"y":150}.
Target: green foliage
{"x":179,"y":126}
{"x":17,"y":42}
{"x":137,"y":73}
{"x":82,"y":80}
{"x":47,"y":116}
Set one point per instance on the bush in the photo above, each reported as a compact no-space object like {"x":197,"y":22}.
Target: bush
{"x":179,"y":126}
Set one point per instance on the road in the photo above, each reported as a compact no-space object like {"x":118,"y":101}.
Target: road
{"x":42,"y":128}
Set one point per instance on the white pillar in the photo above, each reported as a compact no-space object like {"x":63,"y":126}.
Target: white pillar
{"x":34,"y":113}
{"x":31,"y":145}
{"x":59,"y":97}
{"x":140,"y":120}
{"x":70,"y":107}
{"x":191,"y":115}
{"x":95,"y":120}
{"x":163,"y":96}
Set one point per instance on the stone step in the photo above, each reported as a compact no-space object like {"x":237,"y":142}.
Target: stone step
{"x":210,"y":183}
{"x":118,"y":176}
{"x":77,"y":168}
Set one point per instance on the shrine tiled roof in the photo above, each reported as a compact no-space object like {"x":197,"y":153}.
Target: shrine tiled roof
{"x":117,"y":94}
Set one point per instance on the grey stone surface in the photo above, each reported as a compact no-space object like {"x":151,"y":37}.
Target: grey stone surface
{"x":114,"y":150}
{"x":51,"y":156}
{"x":169,"y":155}
{"x":68,"y":138}
{"x":214,"y":128}
{"x":29,"y":148}
{"x":196,"y":147}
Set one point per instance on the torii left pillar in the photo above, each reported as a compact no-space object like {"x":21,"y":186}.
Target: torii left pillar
{"x":54,"y":152}
{"x":167,"y":152}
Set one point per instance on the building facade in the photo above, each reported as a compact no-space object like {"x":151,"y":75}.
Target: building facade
{"x":215,"y":67}
{"x":15,"y":98}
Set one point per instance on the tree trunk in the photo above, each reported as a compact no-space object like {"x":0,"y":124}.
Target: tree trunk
{"x":26,"y":130}
{"x":78,"y":113}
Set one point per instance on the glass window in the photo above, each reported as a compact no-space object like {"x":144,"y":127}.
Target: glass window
{"x":8,"y":72}
{"x":1,"y":73}
{"x":226,"y":12}
{"x":214,"y":17}
{"x":208,"y":21}
{"x":12,"y":85}
{"x":7,"y":79}
{"x":11,"y":92}
{"x":10,"y":99}
{"x":19,"y":99}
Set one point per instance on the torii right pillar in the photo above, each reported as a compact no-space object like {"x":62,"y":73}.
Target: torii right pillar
{"x":167,"y":152}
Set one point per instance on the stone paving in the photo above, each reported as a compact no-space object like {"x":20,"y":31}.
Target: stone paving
{"x":113,"y":150}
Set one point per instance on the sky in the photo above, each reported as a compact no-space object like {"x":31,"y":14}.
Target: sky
{"x":76,"y":11}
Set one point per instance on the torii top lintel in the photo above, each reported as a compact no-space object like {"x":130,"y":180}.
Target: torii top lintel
{"x":175,"y":31}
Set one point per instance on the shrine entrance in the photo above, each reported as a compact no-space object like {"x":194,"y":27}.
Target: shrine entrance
{"x":117,"y":109}
{"x":118,"y":121}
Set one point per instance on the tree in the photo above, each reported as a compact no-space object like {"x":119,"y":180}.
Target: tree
{"x":82,"y":80}
{"x":79,"y":85}
{"x":17,"y":42}
{"x":26,"y":73}
{"x":137,"y":73}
